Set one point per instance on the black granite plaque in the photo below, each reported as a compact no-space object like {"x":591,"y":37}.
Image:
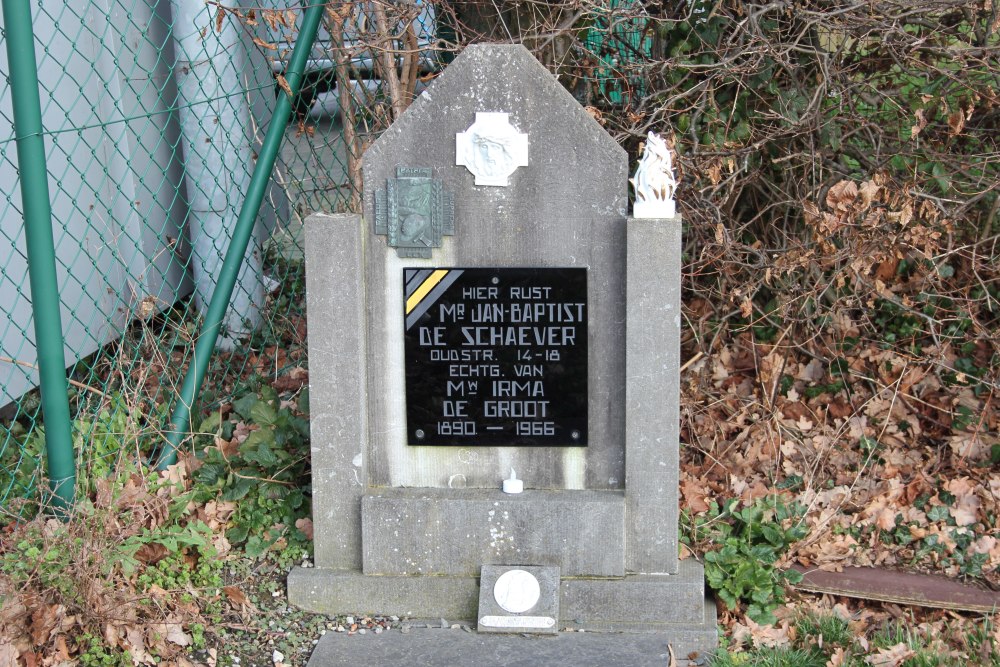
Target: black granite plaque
{"x":496,"y":357}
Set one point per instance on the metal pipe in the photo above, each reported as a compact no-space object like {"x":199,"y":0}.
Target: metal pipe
{"x":41,"y":251}
{"x":214,"y":116}
{"x":205,"y":342}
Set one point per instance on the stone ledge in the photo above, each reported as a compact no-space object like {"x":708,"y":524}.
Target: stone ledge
{"x":636,"y":603}
{"x":333,"y":592}
{"x":427,"y":531}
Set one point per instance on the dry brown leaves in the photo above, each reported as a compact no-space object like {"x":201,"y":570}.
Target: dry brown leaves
{"x":42,"y":625}
{"x":852,"y":382}
{"x":863,"y":452}
{"x":772,"y":636}
{"x":932,"y":630}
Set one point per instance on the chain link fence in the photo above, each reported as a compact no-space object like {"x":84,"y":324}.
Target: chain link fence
{"x":153,"y":114}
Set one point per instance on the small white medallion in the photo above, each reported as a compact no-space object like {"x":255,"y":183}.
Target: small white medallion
{"x":519,"y":599}
{"x":492,"y":149}
{"x":516,"y":591}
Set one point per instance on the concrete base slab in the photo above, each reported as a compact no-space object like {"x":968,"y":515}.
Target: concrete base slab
{"x":643,"y":601}
{"x":429,"y":647}
{"x":635,"y":603}
{"x":333,"y":592}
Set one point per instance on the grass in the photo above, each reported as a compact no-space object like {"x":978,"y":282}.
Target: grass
{"x":928,"y":638}
{"x":773,"y":657}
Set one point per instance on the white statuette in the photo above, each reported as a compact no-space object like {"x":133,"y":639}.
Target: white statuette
{"x":492,"y":149}
{"x":654,"y":181}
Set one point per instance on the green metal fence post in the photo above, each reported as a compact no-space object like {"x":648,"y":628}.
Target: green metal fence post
{"x":205,"y":344}
{"x":41,"y":251}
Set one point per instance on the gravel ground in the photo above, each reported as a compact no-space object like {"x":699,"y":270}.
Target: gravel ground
{"x":268,"y":631}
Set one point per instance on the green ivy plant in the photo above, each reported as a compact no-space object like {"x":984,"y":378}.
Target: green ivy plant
{"x":748,"y":542}
{"x":99,"y":442}
{"x":268,"y":475}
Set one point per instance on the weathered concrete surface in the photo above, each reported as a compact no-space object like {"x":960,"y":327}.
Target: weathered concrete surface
{"x":338,"y":415}
{"x":333,"y":592}
{"x":428,"y":647}
{"x":453,"y":531}
{"x":636,"y":603}
{"x":566,"y":208}
{"x":652,"y":394}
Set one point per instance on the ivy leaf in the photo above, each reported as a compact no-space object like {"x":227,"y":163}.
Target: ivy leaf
{"x":257,"y":546}
{"x":240,"y":488}
{"x":211,"y":424}
{"x":938,"y":513}
{"x":265,"y":456}
{"x":243,"y":405}
{"x":773,"y":534}
{"x":237,"y":534}
{"x":761,"y":615}
{"x":263,"y":413}
{"x":295,"y":499}
{"x":210,"y":473}
{"x":762,"y":553}
{"x":255,"y":439}
{"x":793,"y":576}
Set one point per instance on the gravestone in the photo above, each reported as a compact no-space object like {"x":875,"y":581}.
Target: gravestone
{"x":495,"y":314}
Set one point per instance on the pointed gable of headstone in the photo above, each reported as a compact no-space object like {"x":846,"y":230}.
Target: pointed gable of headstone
{"x":576,"y":172}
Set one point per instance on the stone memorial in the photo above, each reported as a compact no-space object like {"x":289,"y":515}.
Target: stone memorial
{"x":494,"y":385}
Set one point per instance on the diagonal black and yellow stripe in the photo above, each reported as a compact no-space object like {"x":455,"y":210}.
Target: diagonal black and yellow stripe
{"x":422,"y":289}
{"x":413,"y":300}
